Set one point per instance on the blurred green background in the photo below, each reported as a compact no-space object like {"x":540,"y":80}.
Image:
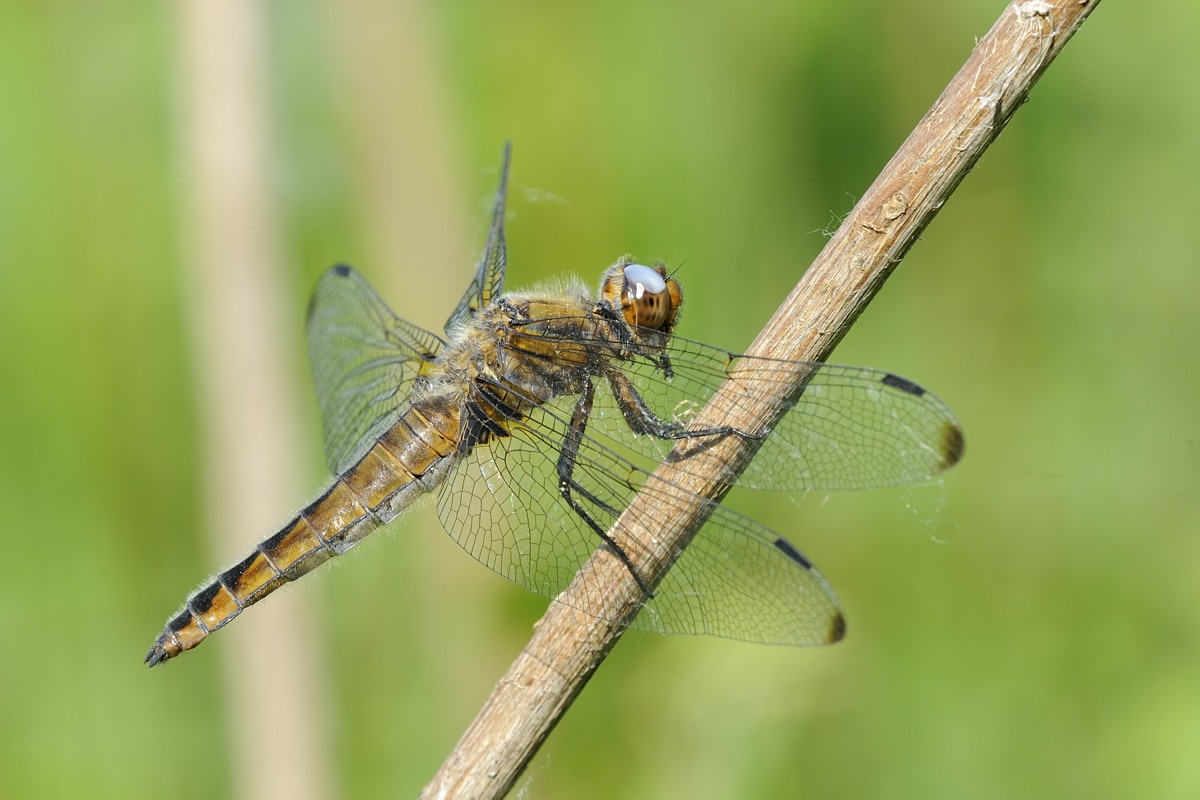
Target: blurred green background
{"x":1028,"y":626}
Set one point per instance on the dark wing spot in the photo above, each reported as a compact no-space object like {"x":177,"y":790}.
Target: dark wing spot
{"x":903,"y":384}
{"x":837,"y":629}
{"x":953,"y":445}
{"x":342,"y":270}
{"x":789,"y":550}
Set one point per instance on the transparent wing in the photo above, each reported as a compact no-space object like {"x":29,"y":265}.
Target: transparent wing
{"x":489,"y":276}
{"x":737,"y":579}
{"x":364,"y":362}
{"x":850,"y":428}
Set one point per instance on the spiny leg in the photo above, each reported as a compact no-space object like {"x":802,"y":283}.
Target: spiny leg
{"x":641,"y":419}
{"x":568,"y":487}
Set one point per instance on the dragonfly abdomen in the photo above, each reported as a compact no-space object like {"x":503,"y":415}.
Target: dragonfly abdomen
{"x":303,"y":544}
{"x":377,"y":488}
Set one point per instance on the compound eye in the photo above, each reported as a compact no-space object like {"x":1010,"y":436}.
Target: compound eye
{"x":646,"y":299}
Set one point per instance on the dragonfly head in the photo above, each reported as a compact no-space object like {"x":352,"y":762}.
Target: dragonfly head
{"x":646,"y":296}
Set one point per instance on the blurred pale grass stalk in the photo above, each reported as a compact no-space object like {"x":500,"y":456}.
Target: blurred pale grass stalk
{"x":418,"y":237}
{"x":575,"y":636}
{"x":278,"y":742}
{"x":393,"y":101}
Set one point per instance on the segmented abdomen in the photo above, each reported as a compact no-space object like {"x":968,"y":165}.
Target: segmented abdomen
{"x":407,"y":460}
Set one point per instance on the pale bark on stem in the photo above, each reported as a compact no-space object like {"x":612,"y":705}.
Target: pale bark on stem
{"x":573,"y":637}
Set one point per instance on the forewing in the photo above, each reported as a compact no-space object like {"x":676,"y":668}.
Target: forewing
{"x":850,"y":428}
{"x":737,"y":579}
{"x":364,"y":362}
{"x":489,"y":276}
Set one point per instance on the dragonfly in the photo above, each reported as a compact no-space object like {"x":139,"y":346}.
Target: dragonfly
{"x":536,"y":419}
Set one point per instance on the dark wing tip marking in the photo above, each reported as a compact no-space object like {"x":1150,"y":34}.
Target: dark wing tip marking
{"x":342,"y":270}
{"x":837,"y":624}
{"x":789,"y":550}
{"x":903,"y":384}
{"x":837,"y":629}
{"x":952,"y":436}
{"x":953,"y":445}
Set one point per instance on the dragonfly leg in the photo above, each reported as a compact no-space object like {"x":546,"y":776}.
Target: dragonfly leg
{"x":568,"y":487}
{"x":642,"y":419}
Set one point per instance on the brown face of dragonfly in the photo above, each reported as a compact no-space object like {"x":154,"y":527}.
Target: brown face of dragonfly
{"x":646,"y":296}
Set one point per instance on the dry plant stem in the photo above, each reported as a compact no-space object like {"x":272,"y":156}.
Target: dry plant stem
{"x":569,"y":644}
